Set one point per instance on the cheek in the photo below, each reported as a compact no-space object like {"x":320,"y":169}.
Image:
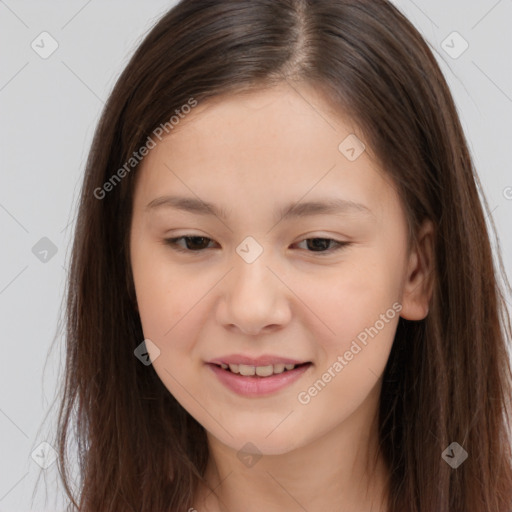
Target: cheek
{"x":350,"y":298}
{"x":360,"y":304}
{"x":361,"y":308}
{"x":163,"y":296}
{"x":170,"y":313}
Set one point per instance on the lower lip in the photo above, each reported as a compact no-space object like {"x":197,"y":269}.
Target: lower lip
{"x":254,"y":386}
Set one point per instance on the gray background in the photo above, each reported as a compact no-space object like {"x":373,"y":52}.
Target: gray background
{"x":49,"y":109}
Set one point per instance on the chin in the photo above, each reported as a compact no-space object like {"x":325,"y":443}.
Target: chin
{"x":257,"y":441}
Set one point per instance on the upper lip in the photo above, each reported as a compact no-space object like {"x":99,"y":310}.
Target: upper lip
{"x":264,"y":360}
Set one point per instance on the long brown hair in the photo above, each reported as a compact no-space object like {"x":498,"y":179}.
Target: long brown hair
{"x":448,"y":378}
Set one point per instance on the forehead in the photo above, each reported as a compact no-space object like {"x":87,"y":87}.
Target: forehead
{"x":261,"y":145}
{"x":283,"y":118}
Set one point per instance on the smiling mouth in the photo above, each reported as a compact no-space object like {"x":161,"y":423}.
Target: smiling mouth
{"x":260,"y":371}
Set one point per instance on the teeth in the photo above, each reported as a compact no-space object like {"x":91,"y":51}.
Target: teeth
{"x":245,"y":369}
{"x":264,"y":371}
{"x":278,"y":368}
{"x":261,"y":371}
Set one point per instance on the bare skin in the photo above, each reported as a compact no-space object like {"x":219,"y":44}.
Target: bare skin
{"x":250,"y":155}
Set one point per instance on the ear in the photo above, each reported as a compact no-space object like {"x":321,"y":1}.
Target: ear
{"x":418,"y":280}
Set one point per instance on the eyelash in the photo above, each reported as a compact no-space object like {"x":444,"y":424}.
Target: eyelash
{"x":172,"y":242}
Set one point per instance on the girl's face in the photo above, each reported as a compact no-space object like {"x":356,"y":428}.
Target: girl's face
{"x":323,"y":285}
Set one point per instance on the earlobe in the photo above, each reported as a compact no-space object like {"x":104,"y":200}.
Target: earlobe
{"x":418,"y":280}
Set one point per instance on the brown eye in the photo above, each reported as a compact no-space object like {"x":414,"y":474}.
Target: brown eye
{"x":318,"y":244}
{"x":192,"y":243}
{"x":323,"y":245}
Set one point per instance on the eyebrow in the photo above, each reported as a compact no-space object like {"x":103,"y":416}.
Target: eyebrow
{"x":336,"y":206}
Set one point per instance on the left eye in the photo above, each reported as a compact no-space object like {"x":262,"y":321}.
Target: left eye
{"x":322,"y":244}
{"x":200,"y":243}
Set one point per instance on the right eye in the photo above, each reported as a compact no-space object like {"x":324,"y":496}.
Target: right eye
{"x":191,"y":243}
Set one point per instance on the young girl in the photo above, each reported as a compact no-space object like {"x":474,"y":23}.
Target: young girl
{"x":282,"y":294}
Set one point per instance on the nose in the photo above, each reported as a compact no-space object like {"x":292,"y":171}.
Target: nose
{"x":254,"y":300}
